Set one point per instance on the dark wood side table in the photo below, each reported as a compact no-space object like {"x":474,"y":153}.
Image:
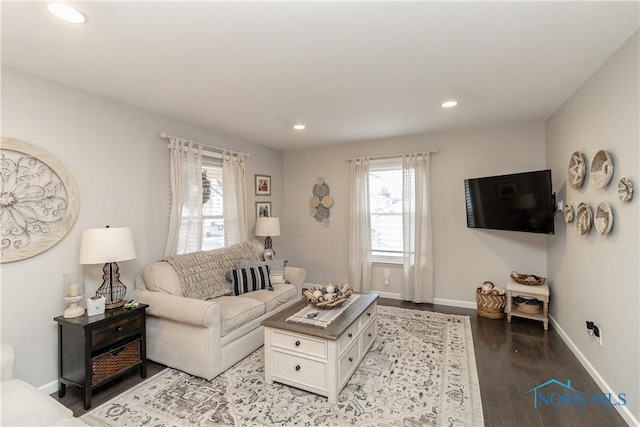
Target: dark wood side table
{"x":94,"y":350}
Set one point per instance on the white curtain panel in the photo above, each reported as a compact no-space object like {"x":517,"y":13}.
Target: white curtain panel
{"x":234,"y":198}
{"x":416,"y":223}
{"x":360,"y":227}
{"x":185,"y":224}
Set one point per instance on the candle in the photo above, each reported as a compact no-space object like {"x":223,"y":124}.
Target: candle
{"x":73,"y":290}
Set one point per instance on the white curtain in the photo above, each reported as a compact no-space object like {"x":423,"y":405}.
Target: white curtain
{"x":416,"y":223}
{"x":360,"y":227}
{"x":185,"y":224}
{"x":234,"y":198}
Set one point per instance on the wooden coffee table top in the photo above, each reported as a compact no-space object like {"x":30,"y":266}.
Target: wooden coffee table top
{"x":333,"y":331}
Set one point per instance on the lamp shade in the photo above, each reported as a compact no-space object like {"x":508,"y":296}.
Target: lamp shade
{"x":267,"y":226}
{"x":103,"y":245}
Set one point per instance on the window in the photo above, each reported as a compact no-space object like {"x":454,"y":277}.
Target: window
{"x":385,"y":204}
{"x":212,"y":213}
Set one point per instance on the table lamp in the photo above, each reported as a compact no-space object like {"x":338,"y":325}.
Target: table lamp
{"x":268,"y":226}
{"x":108,"y":245}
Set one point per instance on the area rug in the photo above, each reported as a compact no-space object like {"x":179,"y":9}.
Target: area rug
{"x":420,"y":370}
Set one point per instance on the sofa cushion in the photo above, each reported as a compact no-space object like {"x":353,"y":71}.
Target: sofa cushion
{"x":203,"y":274}
{"x":161,"y":277}
{"x":250,"y":279}
{"x":272,"y":299}
{"x":235,"y":312}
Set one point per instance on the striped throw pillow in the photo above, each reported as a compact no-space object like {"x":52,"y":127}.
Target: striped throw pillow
{"x":250,"y":279}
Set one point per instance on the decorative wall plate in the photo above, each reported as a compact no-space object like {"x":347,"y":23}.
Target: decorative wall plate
{"x":577,"y":170}
{"x":321,"y":202}
{"x":625,"y":190}
{"x":604,"y":218}
{"x":38,"y":200}
{"x":601,"y":169}
{"x":569,"y":213}
{"x":584,"y":218}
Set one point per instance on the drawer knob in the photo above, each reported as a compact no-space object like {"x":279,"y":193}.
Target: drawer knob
{"x":297,"y":343}
{"x":369,"y":314}
{"x":297,"y":367}
{"x":350,"y":335}
{"x":369,"y":334}
{"x":351,"y":359}
{"x":119,"y":329}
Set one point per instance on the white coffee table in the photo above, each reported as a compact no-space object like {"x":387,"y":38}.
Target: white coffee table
{"x":319,"y":360}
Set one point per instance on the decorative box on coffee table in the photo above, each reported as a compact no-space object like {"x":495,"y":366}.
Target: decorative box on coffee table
{"x":316,"y":359}
{"x":94,"y":350}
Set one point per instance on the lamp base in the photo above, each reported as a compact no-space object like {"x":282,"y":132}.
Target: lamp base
{"x":114,"y":304}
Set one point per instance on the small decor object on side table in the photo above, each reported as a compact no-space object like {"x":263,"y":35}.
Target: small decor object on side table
{"x":73,"y":289}
{"x":328,"y":296}
{"x":95,"y":305}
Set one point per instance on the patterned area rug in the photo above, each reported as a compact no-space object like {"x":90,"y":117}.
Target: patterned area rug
{"x":421,"y":370}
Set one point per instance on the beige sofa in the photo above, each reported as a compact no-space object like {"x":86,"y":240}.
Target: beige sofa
{"x":25,"y":405}
{"x":205,"y":336}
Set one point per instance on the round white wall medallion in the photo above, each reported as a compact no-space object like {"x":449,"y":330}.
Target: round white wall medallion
{"x":39,"y":200}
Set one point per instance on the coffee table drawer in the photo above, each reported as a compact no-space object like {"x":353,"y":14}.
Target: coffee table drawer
{"x":299,"y":370}
{"x":369,"y":335}
{"x":369,"y":314}
{"x":349,"y":336}
{"x":348,"y":363}
{"x":299,"y":344}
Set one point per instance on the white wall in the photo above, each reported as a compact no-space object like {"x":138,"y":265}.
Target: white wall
{"x":464,"y":258}
{"x":116,"y":156}
{"x":596,"y":277}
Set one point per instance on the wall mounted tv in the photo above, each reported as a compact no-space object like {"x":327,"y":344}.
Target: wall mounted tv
{"x":516,"y":202}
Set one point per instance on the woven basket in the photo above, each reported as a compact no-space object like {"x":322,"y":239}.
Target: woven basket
{"x":491,"y":304}
{"x":115,"y":361}
{"x":528,"y":279}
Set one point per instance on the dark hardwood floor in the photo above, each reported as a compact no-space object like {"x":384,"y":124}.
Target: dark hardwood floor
{"x":511,"y":360}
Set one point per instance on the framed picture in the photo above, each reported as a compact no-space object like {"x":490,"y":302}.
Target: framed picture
{"x":263,"y":209}
{"x":263,"y":185}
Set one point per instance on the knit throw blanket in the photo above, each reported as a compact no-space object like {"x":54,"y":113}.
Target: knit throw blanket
{"x":203,"y":274}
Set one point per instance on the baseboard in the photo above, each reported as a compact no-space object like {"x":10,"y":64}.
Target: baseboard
{"x":438,"y":301}
{"x":456,"y":303}
{"x":604,"y":387}
{"x":49,"y":388}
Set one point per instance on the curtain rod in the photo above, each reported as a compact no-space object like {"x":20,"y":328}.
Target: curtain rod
{"x":217,"y":150}
{"x":390,"y":156}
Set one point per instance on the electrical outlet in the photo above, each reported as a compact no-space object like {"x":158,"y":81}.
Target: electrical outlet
{"x":386,"y":277}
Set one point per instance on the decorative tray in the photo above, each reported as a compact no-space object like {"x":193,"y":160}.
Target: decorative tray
{"x":604,"y":218}
{"x":601,"y":169}
{"x":528,"y":279}
{"x":576,"y":170}
{"x":584,"y":218}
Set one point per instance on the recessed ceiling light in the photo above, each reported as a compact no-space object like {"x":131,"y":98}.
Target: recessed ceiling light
{"x":67,"y":13}
{"x":449,"y":104}
{"x":299,"y":127}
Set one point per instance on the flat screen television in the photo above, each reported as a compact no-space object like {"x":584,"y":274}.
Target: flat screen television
{"x":517,"y":202}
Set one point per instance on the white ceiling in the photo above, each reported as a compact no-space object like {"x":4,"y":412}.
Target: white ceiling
{"x":348,"y":70}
